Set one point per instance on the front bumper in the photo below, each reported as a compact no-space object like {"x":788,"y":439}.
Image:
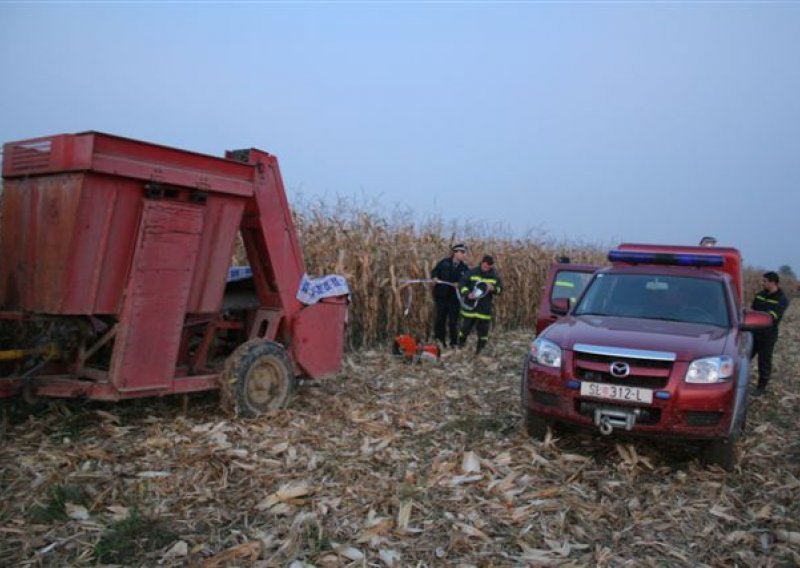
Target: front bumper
{"x":679,"y":410}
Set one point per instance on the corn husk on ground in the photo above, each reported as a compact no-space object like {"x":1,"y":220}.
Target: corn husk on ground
{"x":392,"y":464}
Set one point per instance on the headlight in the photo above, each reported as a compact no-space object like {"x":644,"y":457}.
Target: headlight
{"x":546,"y":353}
{"x":710,"y":370}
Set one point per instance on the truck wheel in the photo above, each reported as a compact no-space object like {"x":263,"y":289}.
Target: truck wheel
{"x":258,"y":377}
{"x":721,"y":452}
{"x":535,"y":425}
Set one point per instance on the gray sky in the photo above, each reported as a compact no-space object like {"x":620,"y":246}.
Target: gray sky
{"x":592,"y":121}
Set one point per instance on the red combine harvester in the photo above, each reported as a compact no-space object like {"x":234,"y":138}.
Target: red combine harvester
{"x":114,"y":279}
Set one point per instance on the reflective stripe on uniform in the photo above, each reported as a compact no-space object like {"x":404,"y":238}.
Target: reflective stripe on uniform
{"x":474,"y":315}
{"x":477,"y":278}
{"x":767,"y":300}
{"x":565,"y":284}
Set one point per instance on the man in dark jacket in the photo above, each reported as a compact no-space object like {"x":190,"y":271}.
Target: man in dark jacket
{"x":449,"y":271}
{"x":478,"y":287}
{"x":772,"y":300}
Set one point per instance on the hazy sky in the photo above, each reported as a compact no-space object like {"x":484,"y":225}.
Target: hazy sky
{"x":592,"y":121}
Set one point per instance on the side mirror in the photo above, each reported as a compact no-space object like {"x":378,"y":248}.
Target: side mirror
{"x":559,"y":306}
{"x":754,"y":320}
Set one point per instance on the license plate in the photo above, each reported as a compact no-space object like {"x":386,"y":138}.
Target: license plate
{"x":617,"y":392}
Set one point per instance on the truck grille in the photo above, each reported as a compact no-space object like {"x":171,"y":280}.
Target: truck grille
{"x":631,"y":380}
{"x":643,"y":363}
{"x":644,"y":373}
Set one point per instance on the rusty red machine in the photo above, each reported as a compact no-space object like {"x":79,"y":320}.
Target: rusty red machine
{"x":114,"y":275}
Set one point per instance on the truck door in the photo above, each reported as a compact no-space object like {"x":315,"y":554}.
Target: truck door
{"x":564,"y":280}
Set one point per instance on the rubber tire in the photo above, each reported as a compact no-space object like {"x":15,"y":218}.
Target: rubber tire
{"x":535,"y":425}
{"x":258,"y":377}
{"x":721,"y":452}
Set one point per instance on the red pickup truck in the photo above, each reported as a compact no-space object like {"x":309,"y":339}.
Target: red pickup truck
{"x":657,"y":343}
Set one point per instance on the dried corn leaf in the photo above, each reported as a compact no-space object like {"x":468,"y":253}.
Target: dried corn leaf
{"x":472,"y":531}
{"x":248,"y":551}
{"x":404,"y":515}
{"x":76,"y":512}
{"x":789,"y":537}
{"x":470,"y":463}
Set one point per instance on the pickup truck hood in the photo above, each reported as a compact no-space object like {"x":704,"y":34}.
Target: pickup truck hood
{"x":687,"y":340}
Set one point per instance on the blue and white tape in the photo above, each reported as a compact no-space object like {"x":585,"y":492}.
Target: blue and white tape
{"x":312,"y":290}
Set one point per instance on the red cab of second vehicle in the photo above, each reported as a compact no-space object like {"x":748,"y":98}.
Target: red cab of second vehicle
{"x":564,"y":281}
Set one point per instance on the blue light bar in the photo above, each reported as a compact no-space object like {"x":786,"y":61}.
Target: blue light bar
{"x":573,"y":384}
{"x":663,"y":395}
{"x":674,"y":259}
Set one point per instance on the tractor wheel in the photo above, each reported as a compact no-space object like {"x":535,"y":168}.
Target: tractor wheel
{"x":535,"y":425}
{"x":258,"y":377}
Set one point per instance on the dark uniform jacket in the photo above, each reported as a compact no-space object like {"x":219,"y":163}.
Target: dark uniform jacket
{"x":483,"y":309}
{"x":447,"y":270}
{"x":774,"y":304}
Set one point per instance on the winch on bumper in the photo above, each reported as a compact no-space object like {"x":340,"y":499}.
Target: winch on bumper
{"x":606,"y":419}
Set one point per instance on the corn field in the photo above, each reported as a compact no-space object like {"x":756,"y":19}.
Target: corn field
{"x":376,"y":254}
{"x":377,"y":251}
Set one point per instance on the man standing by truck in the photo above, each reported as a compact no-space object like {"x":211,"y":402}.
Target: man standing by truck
{"x":448,"y":272}
{"x":773,"y":301}
{"x":478,"y":287}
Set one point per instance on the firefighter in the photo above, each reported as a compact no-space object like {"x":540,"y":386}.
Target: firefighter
{"x":450,"y":270}
{"x":478,"y":287}
{"x":773,"y":301}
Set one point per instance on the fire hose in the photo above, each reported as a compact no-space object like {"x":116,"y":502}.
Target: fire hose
{"x":479,"y":291}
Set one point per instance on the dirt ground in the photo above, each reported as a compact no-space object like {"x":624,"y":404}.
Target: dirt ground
{"x":391,"y":464}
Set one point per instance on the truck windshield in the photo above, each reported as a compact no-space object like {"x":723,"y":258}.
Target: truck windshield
{"x":673,"y":298}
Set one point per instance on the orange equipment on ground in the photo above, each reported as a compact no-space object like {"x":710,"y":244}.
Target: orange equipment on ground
{"x":414,"y":350}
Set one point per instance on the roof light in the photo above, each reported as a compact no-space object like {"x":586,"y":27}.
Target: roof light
{"x":677,"y":259}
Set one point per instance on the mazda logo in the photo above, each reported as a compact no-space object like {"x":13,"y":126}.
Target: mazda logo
{"x":620,"y":369}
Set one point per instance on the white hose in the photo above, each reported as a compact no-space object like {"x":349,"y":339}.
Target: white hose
{"x":407,"y":281}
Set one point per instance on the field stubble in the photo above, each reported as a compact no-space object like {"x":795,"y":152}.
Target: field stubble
{"x":397,"y":465}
